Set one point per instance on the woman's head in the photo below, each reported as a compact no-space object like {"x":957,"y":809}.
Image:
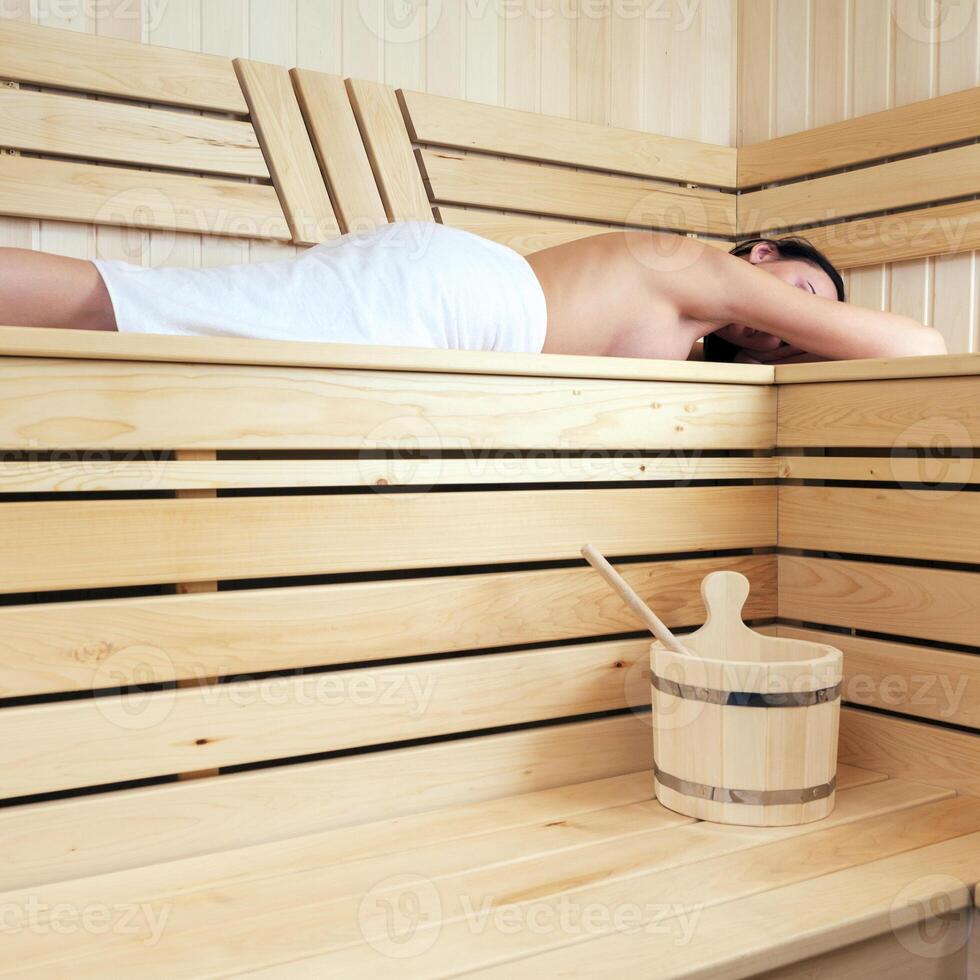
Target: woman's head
{"x":795,"y":261}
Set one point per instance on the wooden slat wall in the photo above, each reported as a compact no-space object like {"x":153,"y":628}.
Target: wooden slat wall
{"x":804,"y":65}
{"x":561,"y":62}
{"x":879,"y":538}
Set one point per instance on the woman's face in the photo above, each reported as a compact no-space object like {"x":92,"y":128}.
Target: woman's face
{"x":759,"y":347}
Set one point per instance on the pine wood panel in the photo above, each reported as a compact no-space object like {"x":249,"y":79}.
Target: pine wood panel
{"x":880,"y":369}
{"x":699,"y":866}
{"x":106,"y":739}
{"x":634,"y":846}
{"x":910,"y":750}
{"x":27,"y":342}
{"x":56,"y":190}
{"x":119,"y":542}
{"x":95,"y":475}
{"x":382,"y":127}
{"x":111,"y":66}
{"x":895,"y":414}
{"x":286,"y":144}
{"x":63,"y":839}
{"x":904,"y":600}
{"x":339,"y":149}
{"x":942,"y":230}
{"x":925,"y":682}
{"x":905,"y":129}
{"x":892,"y":523}
{"x":117,"y":642}
{"x":959,"y":470}
{"x":459,"y":124}
{"x":54,"y":403}
{"x":899,"y":184}
{"x":456,"y":178}
{"x":43,"y":122}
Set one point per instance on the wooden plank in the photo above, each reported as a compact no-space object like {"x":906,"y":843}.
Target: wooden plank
{"x":527,"y":233}
{"x":910,"y":750}
{"x":75,"y":646}
{"x":120,"y":542}
{"x":286,"y":144}
{"x":110,"y":66}
{"x":339,"y":149}
{"x":382,"y":127}
{"x":917,"y":126}
{"x":881,"y":368}
{"x":891,"y":523}
{"x":56,"y":190}
{"x":925,"y":682}
{"x":640,"y":851}
{"x":946,"y":229}
{"x":737,"y":939}
{"x":499,"y":917}
{"x":28,"y":342}
{"x":900,"y":184}
{"x":132,"y":736}
{"x":457,"y":178}
{"x":63,"y":839}
{"x":60,"y":404}
{"x":455,"y":123}
{"x":959,"y":470}
{"x":42,"y":122}
{"x":904,"y":600}
{"x":97,"y":475}
{"x":904,"y":414}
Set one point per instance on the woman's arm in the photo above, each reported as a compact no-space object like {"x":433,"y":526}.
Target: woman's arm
{"x":38,"y":289}
{"x":746,"y":295}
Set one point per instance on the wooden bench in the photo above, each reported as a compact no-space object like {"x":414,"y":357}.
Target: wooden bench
{"x":343,"y":583}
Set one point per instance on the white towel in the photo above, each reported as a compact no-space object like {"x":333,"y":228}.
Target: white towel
{"x":410,"y":284}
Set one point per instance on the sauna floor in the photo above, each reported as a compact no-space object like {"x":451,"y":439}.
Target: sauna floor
{"x":586,"y":880}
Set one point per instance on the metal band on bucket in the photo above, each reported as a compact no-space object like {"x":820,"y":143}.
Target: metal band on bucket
{"x":746,"y":699}
{"x":753,"y":797}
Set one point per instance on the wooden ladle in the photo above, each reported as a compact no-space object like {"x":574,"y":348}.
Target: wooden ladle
{"x":619,"y":584}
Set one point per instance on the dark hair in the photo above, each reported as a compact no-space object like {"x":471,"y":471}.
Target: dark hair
{"x":791,"y":247}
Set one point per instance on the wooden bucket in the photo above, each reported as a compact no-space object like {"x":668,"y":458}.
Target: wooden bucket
{"x":745,"y":729}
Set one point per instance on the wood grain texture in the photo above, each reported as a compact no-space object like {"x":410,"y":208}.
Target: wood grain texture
{"x":63,"y":839}
{"x":96,"y":475}
{"x":924,"y":682}
{"x":88,"y":344}
{"x":56,"y":190}
{"x":902,"y":183}
{"x":288,"y":152}
{"x":463,"y":125}
{"x":881,"y":368}
{"x":731,"y":868}
{"x":959,"y":470}
{"x":43,"y":122}
{"x":59,"y":404}
{"x":112,"y":66}
{"x":904,"y":600}
{"x":910,"y":750}
{"x":946,"y":229}
{"x":117,"y":642}
{"x":382,"y":127}
{"x":905,"y":129}
{"x":457,"y":178}
{"x":339,"y":149}
{"x":131,"y":736}
{"x":898,"y":414}
{"x":119,"y":542}
{"x":892,"y":523}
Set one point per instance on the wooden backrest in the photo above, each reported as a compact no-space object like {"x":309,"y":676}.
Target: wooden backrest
{"x":393,"y":558}
{"x":878,"y":188}
{"x":529,"y":180}
{"x":112,"y":132}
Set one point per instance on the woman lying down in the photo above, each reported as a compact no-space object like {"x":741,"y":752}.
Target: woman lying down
{"x":422,"y":284}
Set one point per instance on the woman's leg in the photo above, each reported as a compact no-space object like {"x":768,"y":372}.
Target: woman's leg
{"x":38,"y":289}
